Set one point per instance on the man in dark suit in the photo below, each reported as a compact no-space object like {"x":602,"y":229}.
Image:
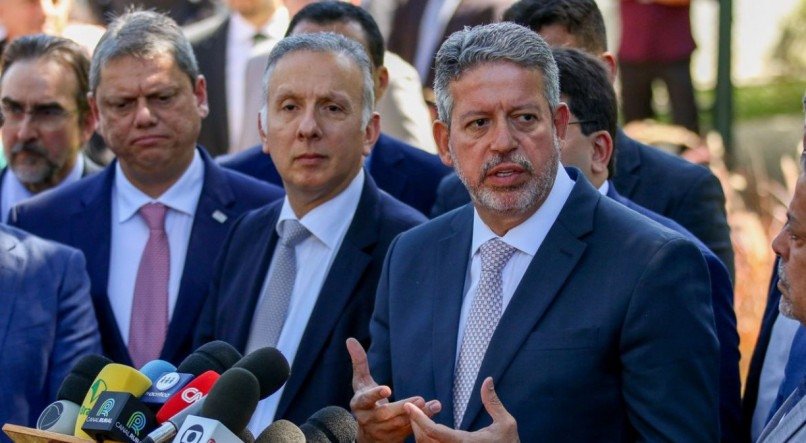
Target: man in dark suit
{"x":46,"y":323}
{"x":223,"y":45}
{"x":407,"y":173}
{"x":688,"y":194}
{"x":149,"y":99}
{"x":47,"y":117}
{"x":305,"y":296}
{"x":588,"y":333}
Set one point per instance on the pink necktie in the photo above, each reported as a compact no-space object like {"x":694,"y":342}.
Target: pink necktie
{"x":149,"y":320}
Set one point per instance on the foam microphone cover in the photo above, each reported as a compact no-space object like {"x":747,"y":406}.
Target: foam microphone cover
{"x":189,"y":394}
{"x":78,"y":381}
{"x":215,"y":356}
{"x":113,"y":377}
{"x":269,"y":366}
{"x":247,"y":436}
{"x":332,"y":423}
{"x":281,"y":431}
{"x":233,"y":399}
{"x":155,"y":368}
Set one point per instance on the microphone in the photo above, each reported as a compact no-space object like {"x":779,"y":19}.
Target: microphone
{"x":119,"y":416}
{"x":330,"y":424}
{"x":215,"y":356}
{"x":155,"y":368}
{"x":60,"y":416}
{"x":225,"y":412}
{"x":281,"y":431}
{"x":246,"y":436}
{"x":193,"y":392}
{"x":113,"y":377}
{"x":269,"y":366}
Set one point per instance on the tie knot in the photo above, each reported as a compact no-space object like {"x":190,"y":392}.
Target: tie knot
{"x":154,"y":215}
{"x":495,"y":254}
{"x":258,"y":37}
{"x":292,"y":232}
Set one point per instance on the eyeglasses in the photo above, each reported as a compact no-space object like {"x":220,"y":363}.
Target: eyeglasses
{"x":46,"y":117}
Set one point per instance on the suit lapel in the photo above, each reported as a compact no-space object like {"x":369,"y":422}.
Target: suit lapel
{"x":383,"y":167}
{"x":216,"y":54}
{"x":10,"y":264}
{"x":550,"y":268}
{"x":453,"y":252}
{"x":352,"y":259}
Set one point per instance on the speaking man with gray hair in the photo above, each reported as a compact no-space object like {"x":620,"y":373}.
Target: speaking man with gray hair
{"x":591,"y":322}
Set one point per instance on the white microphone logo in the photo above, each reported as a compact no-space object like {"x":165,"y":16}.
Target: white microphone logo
{"x":191,"y":395}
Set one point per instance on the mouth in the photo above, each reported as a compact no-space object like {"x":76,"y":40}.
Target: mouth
{"x":147,"y":140}
{"x":505,"y":175}
{"x":309,"y":158}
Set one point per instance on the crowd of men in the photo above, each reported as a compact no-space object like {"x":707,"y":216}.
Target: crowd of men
{"x":572,"y":284}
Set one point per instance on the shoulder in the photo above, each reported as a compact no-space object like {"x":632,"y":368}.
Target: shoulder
{"x":198,"y":33}
{"x":430,"y":162}
{"x":65,"y":201}
{"x":241,"y":159}
{"x":397,"y":214}
{"x":37,"y":252}
{"x":246,"y":187}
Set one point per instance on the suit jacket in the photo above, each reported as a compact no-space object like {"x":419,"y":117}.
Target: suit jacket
{"x":404,"y":36}
{"x":789,"y":423}
{"x":209,"y":41}
{"x":80,"y":215}
{"x":724,"y":318}
{"x":670,"y":186}
{"x":46,"y":322}
{"x":607,"y":337}
{"x":321,"y":371}
{"x":407,"y":173}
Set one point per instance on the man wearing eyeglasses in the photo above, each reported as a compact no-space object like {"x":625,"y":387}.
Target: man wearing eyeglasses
{"x":47,"y":119}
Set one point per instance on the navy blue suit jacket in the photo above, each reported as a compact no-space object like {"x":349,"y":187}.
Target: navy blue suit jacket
{"x":409,"y":174}
{"x":80,"y":215}
{"x":608,"y":336}
{"x":46,"y":322}
{"x":724,"y":319}
{"x":675,"y":188}
{"x":321,"y":371}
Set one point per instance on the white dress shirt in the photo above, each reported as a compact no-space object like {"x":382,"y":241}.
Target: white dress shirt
{"x":130,"y":234}
{"x":14,"y":192}
{"x":239,"y":48}
{"x":526,"y":238}
{"x":435,"y":19}
{"x":328,"y":224}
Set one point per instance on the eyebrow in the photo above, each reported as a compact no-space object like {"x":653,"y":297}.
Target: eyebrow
{"x":48,"y":105}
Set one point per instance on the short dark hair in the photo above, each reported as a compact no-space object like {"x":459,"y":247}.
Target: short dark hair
{"x":326,"y":12}
{"x":587,"y":91}
{"x":582,"y":19}
{"x":66,"y":52}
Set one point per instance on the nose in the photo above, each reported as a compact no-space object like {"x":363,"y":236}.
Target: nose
{"x":780,"y":246}
{"x":26,"y":129}
{"x":144,"y":116}
{"x":502,"y":139}
{"x":308,"y":126}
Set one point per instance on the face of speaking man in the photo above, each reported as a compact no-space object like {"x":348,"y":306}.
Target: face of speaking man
{"x":314,"y":131}
{"x":790,"y":245}
{"x":503,"y":141}
{"x":44,"y":130}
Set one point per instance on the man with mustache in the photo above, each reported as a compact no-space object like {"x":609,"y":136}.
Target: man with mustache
{"x":48,"y":120}
{"x":592,"y":322}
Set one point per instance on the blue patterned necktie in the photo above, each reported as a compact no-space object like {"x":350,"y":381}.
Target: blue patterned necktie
{"x":485,"y":312}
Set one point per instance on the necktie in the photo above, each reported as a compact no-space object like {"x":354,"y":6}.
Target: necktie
{"x":149,"y":321}
{"x":273,"y":305}
{"x":485,"y":312}
{"x":258,"y":37}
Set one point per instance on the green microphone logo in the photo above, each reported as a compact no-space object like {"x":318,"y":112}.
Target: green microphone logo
{"x":106,"y":407}
{"x":136,"y":422}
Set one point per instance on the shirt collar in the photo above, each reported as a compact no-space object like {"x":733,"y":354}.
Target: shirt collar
{"x":327,"y":221}
{"x":529,"y":235}
{"x":604,"y":188}
{"x":182,"y":196}
{"x":241,"y":30}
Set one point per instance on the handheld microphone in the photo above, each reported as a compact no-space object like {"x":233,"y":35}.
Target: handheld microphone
{"x":215,"y":356}
{"x":119,"y":416}
{"x":281,"y":431}
{"x":193,"y":392}
{"x":246,"y":436}
{"x":155,"y":368}
{"x":269,"y":366}
{"x":60,"y":416}
{"x":330,"y":424}
{"x":225,"y":412}
{"x":113,"y":377}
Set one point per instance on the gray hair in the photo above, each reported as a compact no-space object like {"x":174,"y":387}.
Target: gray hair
{"x":143,"y":34}
{"x":327,"y":42}
{"x":498,"y":42}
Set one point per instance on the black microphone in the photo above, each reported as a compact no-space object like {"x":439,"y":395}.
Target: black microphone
{"x":330,"y":424}
{"x":226,"y":410}
{"x":247,"y":436}
{"x":119,"y":416}
{"x":281,"y":431}
{"x":215,"y":356}
{"x":269,"y":366}
{"x":60,"y":416}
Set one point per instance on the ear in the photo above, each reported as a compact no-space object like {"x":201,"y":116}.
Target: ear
{"x":381,"y":83}
{"x":561,"y":118}
{"x":610,"y":63}
{"x":96,"y":120}
{"x":372,"y":132}
{"x":200,"y":91}
{"x":264,"y":140}
{"x":442,"y":138}
{"x":602,"y":151}
{"x":88,"y":125}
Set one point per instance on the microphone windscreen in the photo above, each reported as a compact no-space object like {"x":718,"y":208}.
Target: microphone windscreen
{"x":215,"y":356}
{"x":269,"y":366}
{"x":246,"y":436}
{"x":281,"y":431}
{"x":233,"y":399}
{"x":155,"y":368}
{"x":78,"y":381}
{"x":113,"y":377}
{"x":336,"y":423}
{"x":189,"y":394}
